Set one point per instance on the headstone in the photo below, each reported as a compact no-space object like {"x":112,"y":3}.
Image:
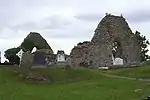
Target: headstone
{"x":118,"y":61}
{"x":60,"y":56}
{"x":39,"y":58}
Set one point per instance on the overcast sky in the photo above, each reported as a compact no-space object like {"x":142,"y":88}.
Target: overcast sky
{"x":64,"y":23}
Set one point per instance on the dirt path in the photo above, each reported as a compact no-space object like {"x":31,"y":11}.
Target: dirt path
{"x":129,"y":78}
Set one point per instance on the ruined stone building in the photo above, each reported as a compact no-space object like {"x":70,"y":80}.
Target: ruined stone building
{"x":42,"y":54}
{"x":38,"y":41}
{"x":112,"y":39}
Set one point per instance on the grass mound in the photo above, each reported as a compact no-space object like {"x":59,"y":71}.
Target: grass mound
{"x":59,"y":75}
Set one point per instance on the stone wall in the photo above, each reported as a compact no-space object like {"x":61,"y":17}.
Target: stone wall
{"x":80,"y":54}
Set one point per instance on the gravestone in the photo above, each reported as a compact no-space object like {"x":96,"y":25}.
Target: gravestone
{"x":39,"y":58}
{"x":60,"y":56}
{"x":118,"y":61}
{"x":43,"y":58}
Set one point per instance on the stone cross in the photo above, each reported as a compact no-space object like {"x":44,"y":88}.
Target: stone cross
{"x":19,"y":54}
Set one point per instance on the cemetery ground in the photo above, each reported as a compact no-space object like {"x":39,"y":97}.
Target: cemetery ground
{"x":74,"y":84}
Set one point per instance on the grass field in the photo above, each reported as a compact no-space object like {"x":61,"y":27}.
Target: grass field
{"x":139,"y":72}
{"x":86,"y":85}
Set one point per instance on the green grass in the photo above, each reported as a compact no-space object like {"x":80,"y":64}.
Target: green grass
{"x":139,"y":72}
{"x":59,"y":75}
{"x":87,"y":85}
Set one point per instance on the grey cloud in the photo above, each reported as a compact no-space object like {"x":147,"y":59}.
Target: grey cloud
{"x":56,"y":22}
{"x":89,"y":16}
{"x":53,"y":22}
{"x":68,"y":34}
{"x":26,"y":3}
{"x":6,"y":33}
{"x":57,"y":27}
{"x":18,"y":11}
{"x":138,"y":16}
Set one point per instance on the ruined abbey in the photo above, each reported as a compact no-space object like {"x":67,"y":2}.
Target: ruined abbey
{"x":113,"y":43}
{"x":112,"y":39}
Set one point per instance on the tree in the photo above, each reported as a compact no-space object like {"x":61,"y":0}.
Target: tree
{"x":27,"y":45}
{"x":10,"y":54}
{"x":143,"y":42}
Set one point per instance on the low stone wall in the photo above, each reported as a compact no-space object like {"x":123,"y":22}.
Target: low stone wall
{"x":39,"y":66}
{"x":61,"y":64}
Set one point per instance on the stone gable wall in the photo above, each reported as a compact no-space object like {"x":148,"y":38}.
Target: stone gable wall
{"x":98,"y":51}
